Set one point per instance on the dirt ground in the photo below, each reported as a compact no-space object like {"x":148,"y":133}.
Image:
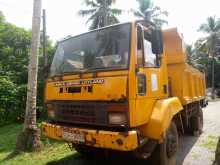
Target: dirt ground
{"x":200,"y":150}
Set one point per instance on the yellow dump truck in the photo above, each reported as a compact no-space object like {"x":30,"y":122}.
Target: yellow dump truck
{"x":127,"y":88}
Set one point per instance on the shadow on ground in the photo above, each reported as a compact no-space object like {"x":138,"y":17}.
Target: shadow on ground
{"x":77,"y":159}
{"x":186,"y":144}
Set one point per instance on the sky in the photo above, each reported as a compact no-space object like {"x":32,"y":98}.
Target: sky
{"x":63,"y":20}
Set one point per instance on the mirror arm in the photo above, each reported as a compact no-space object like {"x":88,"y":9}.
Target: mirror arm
{"x":159,"y":59}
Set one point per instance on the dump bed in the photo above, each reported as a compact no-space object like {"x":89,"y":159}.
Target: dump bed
{"x":185,"y":82}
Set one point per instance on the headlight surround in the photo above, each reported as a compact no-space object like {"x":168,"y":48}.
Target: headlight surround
{"x":50,"y":111}
{"x":117,"y":118}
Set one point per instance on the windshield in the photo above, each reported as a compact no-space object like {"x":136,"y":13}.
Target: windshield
{"x":102,"y":49}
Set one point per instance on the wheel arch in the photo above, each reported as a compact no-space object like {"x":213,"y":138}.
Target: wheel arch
{"x":161,"y":117}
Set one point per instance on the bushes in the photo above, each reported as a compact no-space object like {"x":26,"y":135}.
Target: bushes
{"x":15,"y":45}
{"x":8,"y":99}
{"x":13,"y":101}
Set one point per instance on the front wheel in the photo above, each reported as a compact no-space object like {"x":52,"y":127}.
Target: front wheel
{"x":166,"y":153}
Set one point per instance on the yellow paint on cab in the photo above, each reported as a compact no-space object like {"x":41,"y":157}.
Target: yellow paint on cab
{"x":112,"y":88}
{"x":161,"y":117}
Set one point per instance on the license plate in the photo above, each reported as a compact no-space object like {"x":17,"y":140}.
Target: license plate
{"x":73,"y":137}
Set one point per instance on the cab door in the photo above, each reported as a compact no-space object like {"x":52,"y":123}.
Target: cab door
{"x":148,"y":76}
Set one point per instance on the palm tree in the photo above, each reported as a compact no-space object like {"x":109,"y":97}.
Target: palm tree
{"x":197,"y":57}
{"x":212,"y":29}
{"x":101,"y":13}
{"x":190,"y":55}
{"x":148,"y":11}
{"x":2,"y":18}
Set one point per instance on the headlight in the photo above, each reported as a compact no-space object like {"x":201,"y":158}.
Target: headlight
{"x":117,"y":118}
{"x":51,"y":114}
{"x":50,"y":111}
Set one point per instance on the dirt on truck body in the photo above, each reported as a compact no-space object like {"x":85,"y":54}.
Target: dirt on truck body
{"x":125,"y":87}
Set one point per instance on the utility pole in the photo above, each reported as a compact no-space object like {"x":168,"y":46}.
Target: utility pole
{"x":45,"y":44}
{"x":213,"y":76}
{"x":29,"y":138}
{"x":106,"y":14}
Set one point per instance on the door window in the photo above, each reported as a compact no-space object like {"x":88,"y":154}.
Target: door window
{"x":150,"y":59}
{"x":139,"y":46}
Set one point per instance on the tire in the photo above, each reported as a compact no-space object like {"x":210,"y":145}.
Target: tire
{"x":196,"y":123}
{"x":166,"y":153}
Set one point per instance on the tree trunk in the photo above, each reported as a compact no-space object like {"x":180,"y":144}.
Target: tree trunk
{"x":29,"y":138}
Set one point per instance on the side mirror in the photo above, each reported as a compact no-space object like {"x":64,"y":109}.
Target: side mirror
{"x":157,"y":41}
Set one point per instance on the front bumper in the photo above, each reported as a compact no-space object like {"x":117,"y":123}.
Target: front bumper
{"x":122,"y":141}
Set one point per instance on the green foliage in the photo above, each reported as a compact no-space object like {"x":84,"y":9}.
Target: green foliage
{"x":201,"y":54}
{"x":100,"y":12}
{"x":14,"y":48}
{"x":212,"y":29}
{"x":8,"y":100}
{"x":15,"y":45}
{"x":197,"y":58}
{"x":210,"y":143}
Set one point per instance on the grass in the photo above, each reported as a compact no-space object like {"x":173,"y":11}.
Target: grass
{"x":52,"y":151}
{"x":196,"y":155}
{"x":210,"y":143}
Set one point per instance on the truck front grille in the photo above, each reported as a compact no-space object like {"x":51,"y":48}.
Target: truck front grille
{"x":81,"y":112}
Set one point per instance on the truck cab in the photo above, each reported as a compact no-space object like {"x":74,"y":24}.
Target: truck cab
{"x":110,"y":89}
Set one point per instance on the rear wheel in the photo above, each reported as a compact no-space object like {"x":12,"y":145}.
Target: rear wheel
{"x":165,"y":153}
{"x":196,"y":123}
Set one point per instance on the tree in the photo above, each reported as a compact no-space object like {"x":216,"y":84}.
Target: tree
{"x":29,"y":138}
{"x":14,"y":47}
{"x":8,"y":96}
{"x":15,"y":43}
{"x":212,"y":29}
{"x":190,"y":55}
{"x":2,"y":18}
{"x":101,"y":13}
{"x":148,"y":11}
{"x":198,"y":58}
